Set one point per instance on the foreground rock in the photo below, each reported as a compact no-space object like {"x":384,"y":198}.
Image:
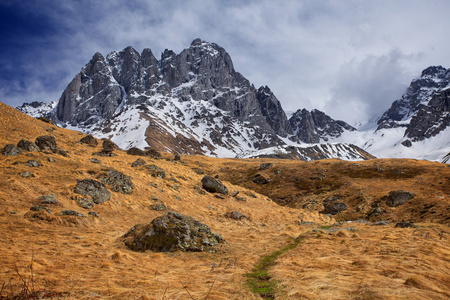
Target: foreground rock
{"x":213,"y":185}
{"x":171,"y":232}
{"x":46,"y":142}
{"x":97,"y":190}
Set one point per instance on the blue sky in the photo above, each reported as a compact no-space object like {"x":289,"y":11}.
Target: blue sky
{"x":349,"y":58}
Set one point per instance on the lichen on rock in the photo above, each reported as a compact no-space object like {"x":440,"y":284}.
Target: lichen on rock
{"x":171,"y":232}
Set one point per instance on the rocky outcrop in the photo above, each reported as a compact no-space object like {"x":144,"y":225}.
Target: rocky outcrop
{"x":424,"y":109}
{"x":315,"y":126}
{"x":171,"y":232}
{"x":398,"y":197}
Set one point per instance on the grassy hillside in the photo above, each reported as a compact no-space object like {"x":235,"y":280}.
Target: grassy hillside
{"x":74,"y":257}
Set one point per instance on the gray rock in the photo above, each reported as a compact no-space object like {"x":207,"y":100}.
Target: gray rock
{"x":95,"y":161}
{"x":85,"y":203}
{"x":139,"y":162}
{"x":46,"y":142}
{"x":398,"y":197}
{"x":48,"y":199}
{"x":158,"y":207}
{"x":33,"y":163}
{"x":109,"y":146}
{"x":27,"y":145}
{"x":406,"y":224}
{"x":260,"y":179}
{"x":332,"y":206}
{"x":265,"y":166}
{"x":235,"y":215}
{"x":152,"y":153}
{"x":11,"y":150}
{"x":156,"y":171}
{"x":97,"y":190}
{"x":69,"y":212}
{"x":41,"y":208}
{"x":26,"y":174}
{"x":118,"y":181}
{"x":90,"y":140}
{"x":93,"y":213}
{"x":381,"y":223}
{"x":171,"y":232}
{"x":135,"y":151}
{"x":213,"y":185}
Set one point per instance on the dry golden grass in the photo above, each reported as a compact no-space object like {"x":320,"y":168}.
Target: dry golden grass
{"x":82,"y":257}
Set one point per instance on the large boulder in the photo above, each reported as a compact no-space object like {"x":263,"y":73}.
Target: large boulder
{"x":171,"y":232}
{"x":97,"y":190}
{"x":398,"y":197}
{"x":46,"y":142}
{"x":135,"y":151}
{"x":213,"y":185}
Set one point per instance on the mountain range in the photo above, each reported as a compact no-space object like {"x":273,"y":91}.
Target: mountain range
{"x":195,"y":102}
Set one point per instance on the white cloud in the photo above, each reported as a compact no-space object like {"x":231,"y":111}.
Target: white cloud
{"x":312,"y":54}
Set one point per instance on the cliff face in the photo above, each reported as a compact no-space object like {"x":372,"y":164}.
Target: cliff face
{"x":192,"y":102}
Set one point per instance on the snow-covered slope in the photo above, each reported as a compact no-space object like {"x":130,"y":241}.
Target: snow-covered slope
{"x":195,"y":102}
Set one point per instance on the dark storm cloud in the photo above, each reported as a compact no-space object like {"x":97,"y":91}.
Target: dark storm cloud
{"x":312,"y":54}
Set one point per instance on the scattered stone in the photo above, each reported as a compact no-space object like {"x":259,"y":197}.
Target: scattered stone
{"x":69,"y":212}
{"x":51,"y":159}
{"x":27,"y":145}
{"x":41,"y":208}
{"x":48,"y":199}
{"x":214,"y":185}
{"x":90,"y":140}
{"x":235,"y":215}
{"x":175,"y":187}
{"x":139,"y":162}
{"x":381,"y":223}
{"x":239,"y":198}
{"x":11,"y":150}
{"x":158,"y":207}
{"x":171,"y":232}
{"x":135,"y":151}
{"x":235,"y":194}
{"x":398,"y":197}
{"x":95,"y":161}
{"x":156,"y":171}
{"x":177,"y":197}
{"x":377,"y":211}
{"x":33,"y":163}
{"x":26,"y":174}
{"x":251,"y":194}
{"x":219,"y":196}
{"x":93,"y":213}
{"x":277,"y":172}
{"x":265,"y":166}
{"x":177,"y":157}
{"x":109,"y":146}
{"x":46,"y":142}
{"x":198,"y":171}
{"x":406,"y":143}
{"x":119,"y":182}
{"x":61,"y":152}
{"x":85,"y":203}
{"x":152,"y":153}
{"x":406,"y":224}
{"x":97,"y":190}
{"x":45,"y":120}
{"x":154,"y":198}
{"x":260,"y":179}
{"x":332,"y":206}
{"x":104,"y":153}
{"x":199,"y":190}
